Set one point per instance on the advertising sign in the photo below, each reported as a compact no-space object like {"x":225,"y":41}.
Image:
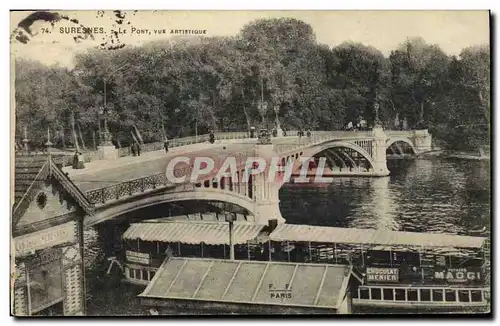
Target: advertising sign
{"x":137,"y":257}
{"x":50,"y":237}
{"x":374,"y":274}
{"x":44,"y":280}
{"x":458,"y":275}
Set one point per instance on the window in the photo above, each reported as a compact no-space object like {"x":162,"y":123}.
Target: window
{"x":41,"y":200}
{"x":425,"y":295}
{"x":376,"y":294}
{"x":206,"y":184}
{"x":450,"y":295}
{"x":400,"y":294}
{"x":151,"y":275}
{"x":412,"y":295}
{"x":476,"y":296}
{"x":388,"y":294}
{"x":463,"y":295}
{"x":364,"y":294}
{"x":437,"y":295}
{"x":145,"y":276}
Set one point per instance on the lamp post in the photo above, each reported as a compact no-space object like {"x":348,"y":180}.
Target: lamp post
{"x":263,"y":135}
{"x":105,"y":136}
{"x":278,"y":126}
{"x":25,"y":140}
{"x":230,"y":218}
{"x":377,"y":120}
{"x":48,"y":144}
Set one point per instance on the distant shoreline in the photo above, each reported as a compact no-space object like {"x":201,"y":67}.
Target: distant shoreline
{"x":463,"y":155}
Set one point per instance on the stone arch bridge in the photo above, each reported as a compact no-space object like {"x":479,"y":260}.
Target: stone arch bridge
{"x":123,"y":185}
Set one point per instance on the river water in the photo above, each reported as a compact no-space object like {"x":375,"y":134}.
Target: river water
{"x":423,"y":195}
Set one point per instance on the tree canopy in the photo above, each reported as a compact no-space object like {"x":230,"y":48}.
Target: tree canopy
{"x":178,"y":87}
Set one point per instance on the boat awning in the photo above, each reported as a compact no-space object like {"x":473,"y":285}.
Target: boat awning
{"x":250,"y":282}
{"x":193,"y":232}
{"x":307,"y":233}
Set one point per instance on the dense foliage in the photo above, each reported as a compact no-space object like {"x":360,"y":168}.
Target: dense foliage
{"x":178,"y":87}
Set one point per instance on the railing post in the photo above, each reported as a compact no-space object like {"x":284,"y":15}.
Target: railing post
{"x":142,"y":185}
{"x":102,"y":195}
{"x":129,"y":188}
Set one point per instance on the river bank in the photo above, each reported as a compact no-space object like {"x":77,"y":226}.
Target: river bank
{"x":462,"y":155}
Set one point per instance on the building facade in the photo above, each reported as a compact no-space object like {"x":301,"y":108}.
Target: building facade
{"x":47,"y":268}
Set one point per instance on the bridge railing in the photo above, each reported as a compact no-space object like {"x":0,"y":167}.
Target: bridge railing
{"x":128,"y":188}
{"x":319,"y":137}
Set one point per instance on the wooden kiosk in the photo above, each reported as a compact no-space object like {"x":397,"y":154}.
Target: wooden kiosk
{"x":47,"y":270}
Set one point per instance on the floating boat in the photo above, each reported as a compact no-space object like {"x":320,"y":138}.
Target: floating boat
{"x":406,"y":270}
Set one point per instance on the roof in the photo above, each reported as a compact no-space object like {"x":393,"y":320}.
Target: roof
{"x":193,"y":232}
{"x":26,"y":170}
{"x":306,"y":233}
{"x":31,"y":173}
{"x":249,"y":282}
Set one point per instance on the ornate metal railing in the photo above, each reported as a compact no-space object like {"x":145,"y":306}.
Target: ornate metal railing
{"x":319,"y":137}
{"x":128,"y":188}
{"x":140,"y":185}
{"x":135,"y":186}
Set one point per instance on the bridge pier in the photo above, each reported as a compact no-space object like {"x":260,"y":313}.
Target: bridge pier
{"x":107,"y":152}
{"x":266,"y":192}
{"x":379,"y":152}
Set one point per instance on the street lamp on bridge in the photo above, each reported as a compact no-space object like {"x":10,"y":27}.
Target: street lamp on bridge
{"x":377,"y":123}
{"x":263,"y":135}
{"x":105,"y":135}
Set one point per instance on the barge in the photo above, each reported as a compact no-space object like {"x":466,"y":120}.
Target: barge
{"x":398,"y":270}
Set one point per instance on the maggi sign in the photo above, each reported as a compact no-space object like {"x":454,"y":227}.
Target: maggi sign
{"x":382,"y":274}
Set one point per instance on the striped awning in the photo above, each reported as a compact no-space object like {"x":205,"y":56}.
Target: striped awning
{"x":307,"y":233}
{"x":193,"y":232}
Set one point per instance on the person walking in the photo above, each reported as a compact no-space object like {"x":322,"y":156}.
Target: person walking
{"x":81,"y":161}
{"x":75,"y":160}
{"x":132,"y":149}
{"x":252,"y":132}
{"x":138,"y":149}
{"x":165,"y":145}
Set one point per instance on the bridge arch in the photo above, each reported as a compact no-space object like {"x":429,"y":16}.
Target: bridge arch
{"x":157,"y":198}
{"x":311,"y":152}
{"x":391,"y":141}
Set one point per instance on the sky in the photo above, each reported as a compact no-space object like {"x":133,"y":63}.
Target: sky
{"x":384,"y":30}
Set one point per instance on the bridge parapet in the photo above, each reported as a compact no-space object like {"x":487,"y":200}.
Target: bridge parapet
{"x":322,"y":136}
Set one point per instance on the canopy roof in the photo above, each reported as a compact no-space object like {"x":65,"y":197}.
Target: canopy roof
{"x":307,"y":233}
{"x":193,"y":232}
{"x":250,"y":282}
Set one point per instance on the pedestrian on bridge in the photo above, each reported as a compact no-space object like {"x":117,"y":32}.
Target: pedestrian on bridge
{"x":308,"y":133}
{"x":138,"y":149}
{"x":132,"y":149}
{"x":165,"y":144}
{"x":252,"y":132}
{"x":212,"y":137}
{"x":81,"y":161}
